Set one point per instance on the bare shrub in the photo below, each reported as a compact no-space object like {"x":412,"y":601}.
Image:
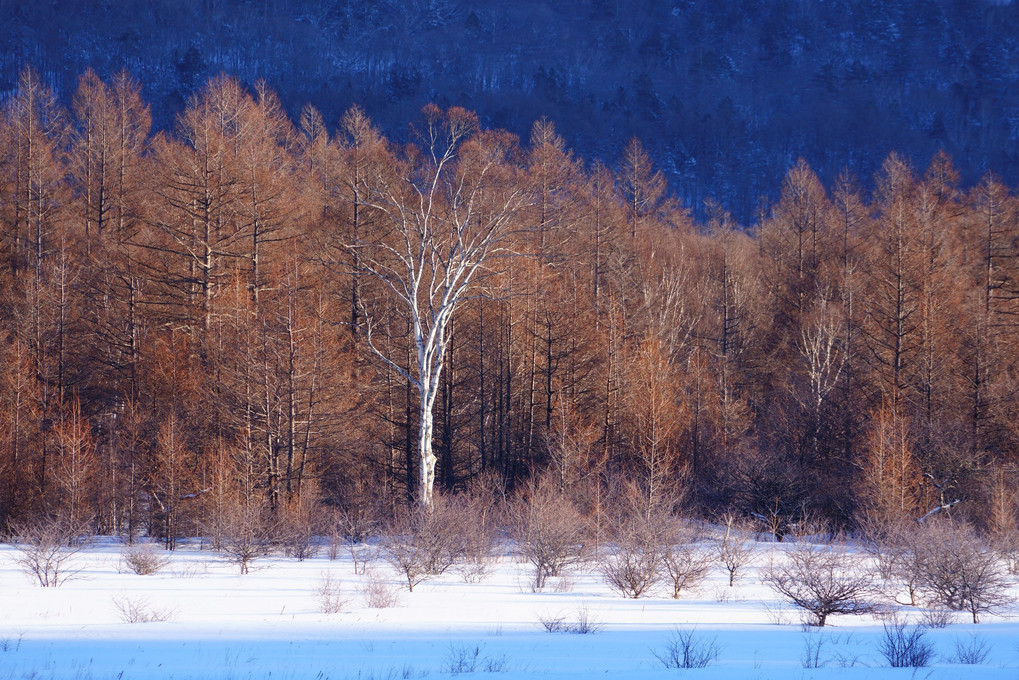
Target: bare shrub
{"x":295,"y":529}
{"x":564,"y":583}
{"x":583,"y":623}
{"x":777,"y":614}
{"x":905,"y":646}
{"x":140,"y":610}
{"x":686,"y":649}
{"x":892,"y":543}
{"x":246,"y":530}
{"x":330,"y":594}
{"x":822,"y":580}
{"x":378,"y":593}
{"x":474,"y":568}
{"x":735,"y":549}
{"x":408,"y":557}
{"x":46,"y":548}
{"x":812,"y":524}
{"x":553,"y":623}
{"x":685,"y":563}
{"x":422,"y":543}
{"x":634,"y":566}
{"x":971,"y":652}
{"x":144,"y":558}
{"x":960,"y":570}
{"x":463,"y":658}
{"x":1007,"y":546}
{"x":363,"y":555}
{"x":816,"y":642}
{"x":936,"y":615}
{"x":476,"y":527}
{"x":550,"y":532}
{"x":813,"y":645}
{"x":352,"y":529}
{"x":191,"y":570}
{"x":1003,"y":522}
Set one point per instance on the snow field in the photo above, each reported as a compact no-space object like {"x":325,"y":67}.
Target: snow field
{"x":211,"y":622}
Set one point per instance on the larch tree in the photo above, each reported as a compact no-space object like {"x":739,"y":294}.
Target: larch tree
{"x":992,"y":241}
{"x":198,"y":230}
{"x":894,"y":266}
{"x":642,"y":187}
{"x":658,"y":421}
{"x":36,"y":132}
{"x":448,"y":208}
{"x":107,"y":172}
{"x":20,"y":422}
{"x":76,"y":465}
{"x":891,"y":478}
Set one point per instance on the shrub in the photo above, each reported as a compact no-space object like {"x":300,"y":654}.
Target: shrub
{"x":812,"y":647}
{"x":634,"y":566}
{"x":550,"y":532}
{"x":422,"y":543}
{"x":936,"y":616}
{"x":906,"y":646}
{"x":351,"y":528}
{"x":377,"y":593}
{"x":685,"y":649}
{"x":822,"y":580}
{"x":971,"y":652}
{"x":735,"y":549}
{"x":586,"y":623}
{"x":330,"y":595}
{"x":684,"y":563}
{"x":553,"y":623}
{"x":892,"y":543}
{"x":583,"y":624}
{"x":463,"y":658}
{"x":246,"y":530}
{"x":475,"y":530}
{"x":295,"y":530}
{"x":960,"y":570}
{"x":140,"y":610}
{"x":46,"y":548}
{"x":144,"y":558}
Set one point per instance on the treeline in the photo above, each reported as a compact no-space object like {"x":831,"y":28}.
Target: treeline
{"x":184,"y":322}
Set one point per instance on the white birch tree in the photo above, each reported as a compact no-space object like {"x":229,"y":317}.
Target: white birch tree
{"x":447,"y":209}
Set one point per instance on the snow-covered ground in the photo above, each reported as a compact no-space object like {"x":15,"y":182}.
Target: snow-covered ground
{"x":269,"y":624}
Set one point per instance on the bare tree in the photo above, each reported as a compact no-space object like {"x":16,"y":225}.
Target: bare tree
{"x":424,"y":542}
{"x":247,"y":530}
{"x":447,"y":210}
{"x":658,"y":421}
{"x":960,"y":570}
{"x":76,"y":467}
{"x":892,"y":543}
{"x":46,"y":548}
{"x":822,"y":580}
{"x":642,"y":187}
{"x":685,"y":561}
{"x":735,"y":549}
{"x":550,"y":532}
{"x":633,"y":566}
{"x":824,"y":358}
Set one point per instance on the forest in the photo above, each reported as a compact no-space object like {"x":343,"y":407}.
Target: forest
{"x":724,"y":95}
{"x":217,"y":321}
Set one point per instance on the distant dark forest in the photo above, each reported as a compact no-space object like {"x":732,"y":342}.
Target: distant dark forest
{"x":725,"y":95}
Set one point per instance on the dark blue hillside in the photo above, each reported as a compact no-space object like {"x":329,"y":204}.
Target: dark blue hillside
{"x":726,"y":95}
